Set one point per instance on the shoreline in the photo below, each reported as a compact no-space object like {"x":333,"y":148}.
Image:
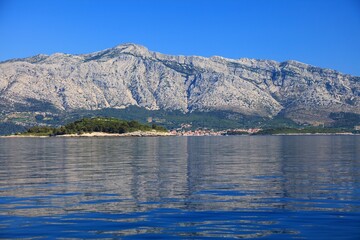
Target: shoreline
{"x":98,"y":134}
{"x":312,"y":134}
{"x":130,"y":134}
{"x":168,"y":134}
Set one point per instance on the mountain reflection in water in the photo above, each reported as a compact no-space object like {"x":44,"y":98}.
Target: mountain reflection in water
{"x":281,"y":187}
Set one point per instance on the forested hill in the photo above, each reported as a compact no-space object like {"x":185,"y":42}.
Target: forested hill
{"x":89,"y":125}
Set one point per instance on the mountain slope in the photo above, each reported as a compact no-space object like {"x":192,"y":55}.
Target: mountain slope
{"x":130,"y":74}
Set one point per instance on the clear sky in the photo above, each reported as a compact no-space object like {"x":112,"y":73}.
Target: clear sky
{"x":324,"y":33}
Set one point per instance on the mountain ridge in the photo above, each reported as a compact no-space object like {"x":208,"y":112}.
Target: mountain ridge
{"x":130,"y":74}
{"x":121,"y":46}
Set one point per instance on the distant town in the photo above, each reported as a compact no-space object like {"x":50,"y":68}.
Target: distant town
{"x":185,"y":130}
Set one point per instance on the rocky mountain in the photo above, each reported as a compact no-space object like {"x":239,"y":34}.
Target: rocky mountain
{"x":130,"y":74}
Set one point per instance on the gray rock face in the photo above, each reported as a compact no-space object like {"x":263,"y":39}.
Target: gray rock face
{"x":132,"y":75}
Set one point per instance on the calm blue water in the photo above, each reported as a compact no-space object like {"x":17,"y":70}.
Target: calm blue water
{"x":275,"y":187}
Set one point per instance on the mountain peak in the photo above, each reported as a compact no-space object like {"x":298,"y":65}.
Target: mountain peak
{"x":132,"y":48}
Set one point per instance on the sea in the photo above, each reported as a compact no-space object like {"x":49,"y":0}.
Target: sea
{"x":216,"y":187}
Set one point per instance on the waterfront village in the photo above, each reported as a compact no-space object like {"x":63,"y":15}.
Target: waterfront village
{"x":185,"y":130}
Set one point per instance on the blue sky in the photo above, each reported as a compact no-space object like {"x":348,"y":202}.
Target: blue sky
{"x":321,"y":33}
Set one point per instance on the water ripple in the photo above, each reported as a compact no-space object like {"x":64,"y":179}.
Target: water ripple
{"x":280,"y":187}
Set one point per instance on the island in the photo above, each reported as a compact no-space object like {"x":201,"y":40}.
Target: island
{"x":96,"y":127}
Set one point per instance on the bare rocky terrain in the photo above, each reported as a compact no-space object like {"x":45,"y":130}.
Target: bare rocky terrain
{"x":130,"y":74}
